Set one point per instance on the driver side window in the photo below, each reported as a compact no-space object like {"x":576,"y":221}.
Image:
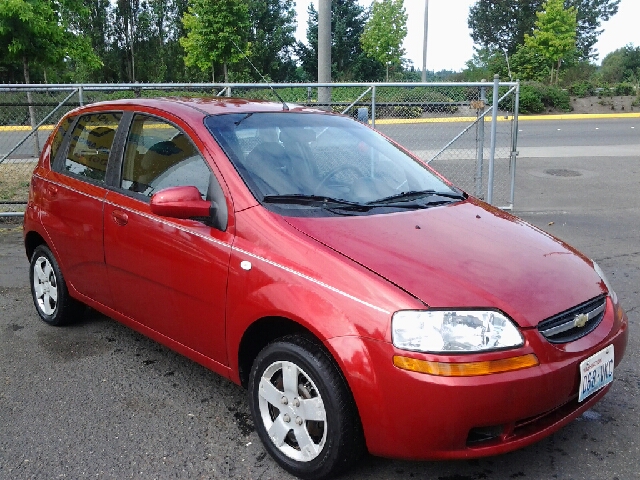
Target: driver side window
{"x":158,"y":155}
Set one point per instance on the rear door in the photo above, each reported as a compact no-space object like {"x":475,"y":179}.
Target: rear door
{"x":167,"y":274}
{"x":74,"y":195}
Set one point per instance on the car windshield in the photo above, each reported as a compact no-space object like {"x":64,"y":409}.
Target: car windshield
{"x":302,"y":161}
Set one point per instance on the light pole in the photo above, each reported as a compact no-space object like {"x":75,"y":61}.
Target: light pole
{"x":424,"y":43}
{"x":508,"y":67}
{"x":324,"y":52}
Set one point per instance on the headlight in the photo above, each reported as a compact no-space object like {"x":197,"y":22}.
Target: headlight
{"x":604,"y":278}
{"x":453,"y":331}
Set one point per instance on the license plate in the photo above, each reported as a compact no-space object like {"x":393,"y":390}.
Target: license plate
{"x":596,"y":372}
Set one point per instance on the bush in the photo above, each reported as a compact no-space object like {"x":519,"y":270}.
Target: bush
{"x":554,"y":97}
{"x":605,"y":91}
{"x":535,"y":98}
{"x":582,"y":89}
{"x":406,"y":112}
{"x":624,"y":89}
{"x":530,"y":101}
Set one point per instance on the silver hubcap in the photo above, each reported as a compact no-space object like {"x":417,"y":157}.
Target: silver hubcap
{"x":292,"y":411}
{"x":45,"y":286}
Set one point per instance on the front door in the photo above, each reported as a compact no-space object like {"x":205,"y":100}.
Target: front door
{"x":167,"y":274}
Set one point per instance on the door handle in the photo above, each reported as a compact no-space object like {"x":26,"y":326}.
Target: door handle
{"x":120,"y":218}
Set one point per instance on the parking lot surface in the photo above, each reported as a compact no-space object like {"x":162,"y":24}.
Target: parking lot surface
{"x":98,"y":400}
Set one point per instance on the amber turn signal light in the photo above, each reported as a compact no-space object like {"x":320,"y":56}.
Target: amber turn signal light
{"x":466,"y":369}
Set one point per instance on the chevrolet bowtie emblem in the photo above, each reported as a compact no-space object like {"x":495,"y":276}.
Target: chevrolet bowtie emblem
{"x":580,"y":320}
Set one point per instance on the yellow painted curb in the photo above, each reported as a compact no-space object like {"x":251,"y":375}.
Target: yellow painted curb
{"x":502,"y":118}
{"x":579,"y":116}
{"x":23,"y":128}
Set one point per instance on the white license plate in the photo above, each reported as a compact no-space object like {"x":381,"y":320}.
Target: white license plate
{"x":596,"y":372}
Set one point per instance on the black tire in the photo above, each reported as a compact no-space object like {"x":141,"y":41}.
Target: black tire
{"x":338,"y":441}
{"x":49,"y":290}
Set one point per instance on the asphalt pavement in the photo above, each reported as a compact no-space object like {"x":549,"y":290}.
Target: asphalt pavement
{"x":99,"y":400}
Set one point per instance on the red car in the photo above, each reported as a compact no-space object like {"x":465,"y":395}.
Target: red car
{"x":363,"y":300}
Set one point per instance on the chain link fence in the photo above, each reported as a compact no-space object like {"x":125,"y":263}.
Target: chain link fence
{"x":450,"y":125}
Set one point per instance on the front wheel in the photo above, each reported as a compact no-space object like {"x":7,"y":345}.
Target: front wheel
{"x":303,"y":410}
{"x":49,"y":291}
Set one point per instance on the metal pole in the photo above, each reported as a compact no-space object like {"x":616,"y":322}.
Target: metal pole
{"x":494,"y":124}
{"x":506,"y":55}
{"x":373,"y":107}
{"x":324,"y":52}
{"x":81,"y":95}
{"x":356,"y":100}
{"x":514,"y":145}
{"x":424,"y":43}
{"x":480,"y":144}
{"x":32,"y":120}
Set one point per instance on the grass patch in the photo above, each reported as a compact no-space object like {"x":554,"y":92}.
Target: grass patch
{"x":14,"y":181}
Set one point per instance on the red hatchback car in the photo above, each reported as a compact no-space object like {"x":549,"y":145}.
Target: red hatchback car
{"x":363,"y":300}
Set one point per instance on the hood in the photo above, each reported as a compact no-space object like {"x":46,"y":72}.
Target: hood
{"x":464,"y":255}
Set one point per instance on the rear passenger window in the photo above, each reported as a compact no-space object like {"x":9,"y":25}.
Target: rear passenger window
{"x":158,"y":156}
{"x":59,"y":136}
{"x":90,"y":145}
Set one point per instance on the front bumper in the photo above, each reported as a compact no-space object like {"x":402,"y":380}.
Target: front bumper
{"x":418,"y":416}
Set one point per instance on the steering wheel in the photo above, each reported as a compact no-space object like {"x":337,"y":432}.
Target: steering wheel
{"x":335,"y":171}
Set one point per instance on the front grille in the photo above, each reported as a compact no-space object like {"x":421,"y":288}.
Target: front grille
{"x":574,"y":323}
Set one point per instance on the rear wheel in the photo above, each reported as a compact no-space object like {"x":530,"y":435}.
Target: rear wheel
{"x":303,"y":410}
{"x":49,"y":291}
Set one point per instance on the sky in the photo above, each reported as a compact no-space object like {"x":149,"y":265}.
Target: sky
{"x":449,"y":42}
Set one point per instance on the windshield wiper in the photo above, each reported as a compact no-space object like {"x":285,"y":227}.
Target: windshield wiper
{"x":401,"y":200}
{"x":414,"y":195}
{"x":311,"y":200}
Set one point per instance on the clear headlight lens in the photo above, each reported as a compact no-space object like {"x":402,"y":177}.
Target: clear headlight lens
{"x":604,"y":278}
{"x":453,"y":331}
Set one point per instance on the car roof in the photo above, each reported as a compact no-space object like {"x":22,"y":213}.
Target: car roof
{"x":205,"y":105}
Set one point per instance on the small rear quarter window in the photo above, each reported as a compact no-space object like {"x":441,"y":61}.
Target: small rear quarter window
{"x":59,"y":135}
{"x":90,"y":145}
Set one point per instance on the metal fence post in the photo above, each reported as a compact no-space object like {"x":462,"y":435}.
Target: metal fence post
{"x":373,"y":107}
{"x":494,"y":126}
{"x":480,"y":142}
{"x":514,"y":144}
{"x":33,"y":121}
{"x":81,"y":96}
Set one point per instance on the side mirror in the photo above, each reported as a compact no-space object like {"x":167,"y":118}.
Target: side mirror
{"x":180,"y":202}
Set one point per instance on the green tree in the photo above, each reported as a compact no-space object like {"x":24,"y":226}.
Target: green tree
{"x":485,"y":64}
{"x":215,"y":32}
{"x":95,"y":26}
{"x":554,"y":37}
{"x":384,"y":32}
{"x":349,"y":62}
{"x":622,"y":65}
{"x":272,"y":38}
{"x":530,"y":64}
{"x":502,"y":24}
{"x":38,"y":32}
